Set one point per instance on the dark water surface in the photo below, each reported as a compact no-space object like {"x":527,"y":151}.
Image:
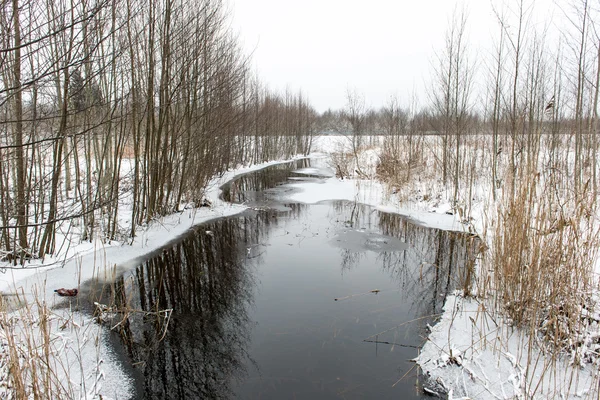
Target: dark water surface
{"x":291,"y":302}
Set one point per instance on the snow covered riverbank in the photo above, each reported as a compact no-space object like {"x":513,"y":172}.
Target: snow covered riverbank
{"x":474,"y":353}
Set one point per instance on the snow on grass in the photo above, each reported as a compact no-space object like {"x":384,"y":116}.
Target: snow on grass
{"x":473,"y":353}
{"x":63,"y":352}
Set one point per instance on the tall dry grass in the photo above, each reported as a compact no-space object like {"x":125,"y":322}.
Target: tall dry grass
{"x":543,"y":253}
{"x":43,"y":350}
{"x":29,"y":347}
{"x":540,"y":275}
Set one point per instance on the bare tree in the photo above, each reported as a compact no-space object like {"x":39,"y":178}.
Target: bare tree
{"x":451,"y":96}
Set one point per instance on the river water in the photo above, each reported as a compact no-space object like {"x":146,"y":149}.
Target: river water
{"x":287,"y":301}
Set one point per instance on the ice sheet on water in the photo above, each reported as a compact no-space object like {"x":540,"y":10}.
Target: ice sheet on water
{"x":319,"y":172}
{"x":364,"y":240}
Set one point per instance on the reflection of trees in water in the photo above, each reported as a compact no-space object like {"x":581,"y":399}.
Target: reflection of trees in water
{"x":249,"y":187}
{"x":351,"y":258}
{"x":355,"y":215}
{"x":207,"y":280}
{"x":436,"y":262}
{"x":351,"y":215}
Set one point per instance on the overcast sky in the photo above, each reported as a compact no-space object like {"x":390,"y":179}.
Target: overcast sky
{"x":376,"y":47}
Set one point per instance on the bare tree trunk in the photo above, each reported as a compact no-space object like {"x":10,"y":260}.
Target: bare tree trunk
{"x":20,"y":204}
{"x":578,"y":165}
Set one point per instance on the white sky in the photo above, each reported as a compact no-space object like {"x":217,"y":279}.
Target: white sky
{"x":376,"y":47}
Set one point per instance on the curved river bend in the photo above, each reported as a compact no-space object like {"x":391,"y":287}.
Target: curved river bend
{"x":287,"y":301}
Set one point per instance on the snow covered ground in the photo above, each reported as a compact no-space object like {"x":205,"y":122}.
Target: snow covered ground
{"x":473,"y":353}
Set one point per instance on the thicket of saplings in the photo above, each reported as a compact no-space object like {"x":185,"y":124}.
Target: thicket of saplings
{"x":136,"y":103}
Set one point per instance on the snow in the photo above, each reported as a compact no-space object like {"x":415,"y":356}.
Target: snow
{"x":80,"y":365}
{"x":371,"y":193}
{"x":473,"y":353}
{"x":435,"y":214}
